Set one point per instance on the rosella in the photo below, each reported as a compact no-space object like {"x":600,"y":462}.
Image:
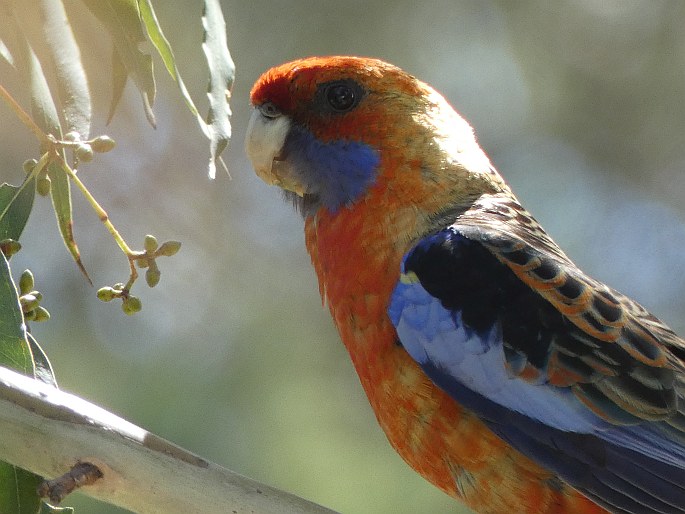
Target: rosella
{"x":498,"y":370}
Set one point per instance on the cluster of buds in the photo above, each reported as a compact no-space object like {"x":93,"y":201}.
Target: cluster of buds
{"x":84,"y":151}
{"x":29,"y":299}
{"x":130,"y":304}
{"x":146,"y":259}
{"x":43,"y":182}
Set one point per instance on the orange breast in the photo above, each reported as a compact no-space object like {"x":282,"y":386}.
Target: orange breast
{"x":358,"y":265}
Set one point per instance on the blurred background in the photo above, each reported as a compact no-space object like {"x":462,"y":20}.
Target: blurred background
{"x":578,"y":103}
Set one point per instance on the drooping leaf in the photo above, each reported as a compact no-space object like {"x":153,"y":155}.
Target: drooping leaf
{"x":122,"y":20}
{"x":21,"y":51}
{"x":44,"y":114}
{"x":71,"y":77}
{"x":18,"y":490}
{"x":42,"y":368}
{"x":60,"y":193}
{"x":221,"y":76}
{"x":159,"y":40}
{"x":15,"y":206}
{"x":43,"y":108}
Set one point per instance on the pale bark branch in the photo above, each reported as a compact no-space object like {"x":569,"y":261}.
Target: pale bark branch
{"x":47,"y":431}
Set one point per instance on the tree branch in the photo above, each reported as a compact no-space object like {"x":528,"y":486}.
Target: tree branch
{"x":47,"y":431}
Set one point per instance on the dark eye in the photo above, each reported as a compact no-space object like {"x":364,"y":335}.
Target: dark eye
{"x":269,"y":110}
{"x":342,"y":96}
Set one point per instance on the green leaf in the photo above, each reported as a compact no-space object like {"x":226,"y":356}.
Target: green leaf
{"x":221,"y":76}
{"x":60,"y":192}
{"x":14,"y":348}
{"x":159,"y":40}
{"x":15,"y":206}
{"x":43,"y":108}
{"x":45,"y":115}
{"x":42,"y":368}
{"x":71,"y":77}
{"x":18,"y":491}
{"x":122,"y":20}
{"x":17,"y":486}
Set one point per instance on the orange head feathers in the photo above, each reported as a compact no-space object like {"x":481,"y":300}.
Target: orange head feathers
{"x":331,"y":129}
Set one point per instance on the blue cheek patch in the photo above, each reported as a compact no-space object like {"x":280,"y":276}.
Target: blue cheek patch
{"x":337,"y":173}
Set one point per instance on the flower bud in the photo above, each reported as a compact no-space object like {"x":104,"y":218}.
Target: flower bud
{"x":26,"y":282}
{"x":28,"y":165}
{"x":106,"y":294}
{"x":102,"y":144}
{"x":150,"y":244}
{"x":131,"y":305}
{"x":84,"y":152}
{"x":169,"y":248}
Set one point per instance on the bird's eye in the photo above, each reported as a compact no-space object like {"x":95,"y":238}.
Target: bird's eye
{"x":269,"y":110}
{"x":342,"y":97}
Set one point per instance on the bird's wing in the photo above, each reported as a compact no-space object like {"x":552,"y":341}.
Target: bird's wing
{"x":567,"y":370}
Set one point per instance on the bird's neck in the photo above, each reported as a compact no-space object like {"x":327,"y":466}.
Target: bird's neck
{"x":357,"y":257}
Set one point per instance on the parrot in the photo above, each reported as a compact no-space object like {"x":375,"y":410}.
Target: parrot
{"x":498,"y":370}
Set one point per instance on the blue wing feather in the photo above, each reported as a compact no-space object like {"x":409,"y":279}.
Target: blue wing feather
{"x":473,"y":325}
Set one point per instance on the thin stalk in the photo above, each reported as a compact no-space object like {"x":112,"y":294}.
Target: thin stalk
{"x":102,"y":214}
{"x":131,"y":255}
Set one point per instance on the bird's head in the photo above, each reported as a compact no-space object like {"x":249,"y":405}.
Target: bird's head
{"x":330,"y":130}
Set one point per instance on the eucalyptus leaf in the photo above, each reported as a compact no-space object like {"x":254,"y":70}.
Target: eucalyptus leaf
{"x":161,"y":43}
{"x":18,"y":490}
{"x":71,"y":77}
{"x":14,"y":349}
{"x":17,"y":487}
{"x":42,"y":368}
{"x":45,"y":115}
{"x":60,"y":193}
{"x":43,"y":108}
{"x":122,"y":20}
{"x":15,"y":207}
{"x":221,"y":76}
